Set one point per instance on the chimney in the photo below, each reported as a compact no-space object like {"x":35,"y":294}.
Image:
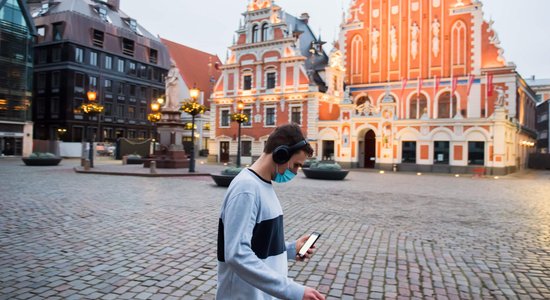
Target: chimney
{"x":305,"y":17}
{"x":533,"y":77}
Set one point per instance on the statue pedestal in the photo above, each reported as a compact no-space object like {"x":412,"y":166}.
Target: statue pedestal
{"x":168,"y":159}
{"x":171,"y":129}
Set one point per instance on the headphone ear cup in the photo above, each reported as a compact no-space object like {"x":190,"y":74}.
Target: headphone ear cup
{"x":281,"y":154}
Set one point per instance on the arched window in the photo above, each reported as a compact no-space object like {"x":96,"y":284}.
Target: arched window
{"x":446,"y":106}
{"x":356,"y":55}
{"x":364,"y":106}
{"x":264,"y":32}
{"x":458,"y":44}
{"x":254,"y":33}
{"x":418,"y":106}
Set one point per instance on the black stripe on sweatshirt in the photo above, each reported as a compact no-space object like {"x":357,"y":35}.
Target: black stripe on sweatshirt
{"x":268,"y":239}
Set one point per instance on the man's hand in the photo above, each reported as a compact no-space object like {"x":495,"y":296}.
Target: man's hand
{"x":299,"y":243}
{"x":311,"y":294}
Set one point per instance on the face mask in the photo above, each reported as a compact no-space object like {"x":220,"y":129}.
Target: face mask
{"x":287,"y":176}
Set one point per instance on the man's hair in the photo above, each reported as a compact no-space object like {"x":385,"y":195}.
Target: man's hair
{"x":288,"y":134}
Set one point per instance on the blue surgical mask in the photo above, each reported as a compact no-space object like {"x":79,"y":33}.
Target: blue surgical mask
{"x":287,"y":176}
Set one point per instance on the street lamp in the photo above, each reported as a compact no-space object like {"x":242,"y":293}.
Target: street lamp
{"x":154,"y":117}
{"x":240,"y":118}
{"x":193,"y":108}
{"x":92,"y":108}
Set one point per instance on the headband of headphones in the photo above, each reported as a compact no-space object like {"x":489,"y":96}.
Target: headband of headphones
{"x":283,"y":153}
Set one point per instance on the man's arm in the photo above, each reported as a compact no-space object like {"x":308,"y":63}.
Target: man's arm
{"x":239,"y":221}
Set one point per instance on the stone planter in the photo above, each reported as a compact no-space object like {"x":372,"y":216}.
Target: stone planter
{"x":222,"y":180}
{"x":54,"y":161}
{"x":325,"y":174}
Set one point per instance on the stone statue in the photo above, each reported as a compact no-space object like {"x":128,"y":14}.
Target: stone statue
{"x":501,"y":97}
{"x":435,"y":40}
{"x":393,"y":41}
{"x":374,"y":37}
{"x":172,"y":88}
{"x":414,"y":39}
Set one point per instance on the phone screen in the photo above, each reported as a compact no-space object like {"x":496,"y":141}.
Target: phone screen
{"x":310,"y":242}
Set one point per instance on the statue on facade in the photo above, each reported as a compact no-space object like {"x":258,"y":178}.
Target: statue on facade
{"x":172,"y":88}
{"x":393,"y":41}
{"x":435,"y":40}
{"x":414,"y":40}
{"x":501,"y":97}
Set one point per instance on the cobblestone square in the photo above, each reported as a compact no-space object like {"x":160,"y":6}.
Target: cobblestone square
{"x":396,"y":235}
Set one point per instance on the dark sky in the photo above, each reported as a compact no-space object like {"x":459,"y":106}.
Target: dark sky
{"x":209,"y":25}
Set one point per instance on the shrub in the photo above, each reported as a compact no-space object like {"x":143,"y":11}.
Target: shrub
{"x":309,"y":162}
{"x":325,"y":166}
{"x":44,"y":155}
{"x":231,"y":171}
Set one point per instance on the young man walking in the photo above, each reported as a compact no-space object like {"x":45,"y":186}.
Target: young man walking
{"x":252,"y":252}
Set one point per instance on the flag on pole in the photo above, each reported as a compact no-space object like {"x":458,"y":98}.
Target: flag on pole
{"x":403,"y":86}
{"x":436,"y":84}
{"x":471,"y":79}
{"x":420,"y":81}
{"x":454,"y":83}
{"x":489,"y":85}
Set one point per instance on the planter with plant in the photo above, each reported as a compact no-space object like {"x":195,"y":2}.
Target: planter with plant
{"x":42,"y":159}
{"x":226,"y":176}
{"x":325,"y":170}
{"x":134,"y":159}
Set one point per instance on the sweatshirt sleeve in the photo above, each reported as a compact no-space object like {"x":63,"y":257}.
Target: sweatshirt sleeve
{"x":239,"y":220}
{"x":291,"y":250}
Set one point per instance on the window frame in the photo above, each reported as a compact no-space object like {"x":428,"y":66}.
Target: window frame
{"x":222,"y":110}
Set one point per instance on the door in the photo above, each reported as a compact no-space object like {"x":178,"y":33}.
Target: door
{"x":370,"y":149}
{"x":224,"y":151}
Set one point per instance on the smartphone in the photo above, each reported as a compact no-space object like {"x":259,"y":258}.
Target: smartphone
{"x":310,"y":242}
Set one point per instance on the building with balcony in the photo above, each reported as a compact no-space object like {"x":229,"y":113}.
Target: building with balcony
{"x":16,"y":72}
{"x":91,"y":45}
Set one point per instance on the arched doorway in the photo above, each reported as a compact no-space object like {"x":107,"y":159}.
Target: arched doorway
{"x":370,"y":150}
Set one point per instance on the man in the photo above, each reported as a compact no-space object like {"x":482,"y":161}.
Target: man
{"x":252,"y":252}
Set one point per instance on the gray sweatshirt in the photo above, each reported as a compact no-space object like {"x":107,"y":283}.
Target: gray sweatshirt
{"x":252,"y":252}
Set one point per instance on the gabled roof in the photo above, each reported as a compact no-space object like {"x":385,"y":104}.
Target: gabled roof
{"x":89,"y":8}
{"x":195,"y":66}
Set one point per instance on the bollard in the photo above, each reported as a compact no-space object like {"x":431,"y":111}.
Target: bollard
{"x":86,"y":165}
{"x":394,"y":167}
{"x":153,"y":167}
{"x":125,"y":160}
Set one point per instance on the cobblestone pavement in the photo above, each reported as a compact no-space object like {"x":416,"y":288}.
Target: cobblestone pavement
{"x":77,"y":236}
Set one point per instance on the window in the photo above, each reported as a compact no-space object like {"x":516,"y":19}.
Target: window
{"x":93,"y":58}
{"x":128,"y":47}
{"x":153,"y":56}
{"x":357,"y":55}
{"x":55,"y":80}
{"x":54,"y":106}
{"x":121,"y":65}
{"x":270,"y":80}
{"x":132,"y":90}
{"x":264,"y":32}
{"x":141,"y":113}
{"x":42,"y":56}
{"x":120,"y":112}
{"x":77,"y":103}
{"x":97,"y":38}
{"x":418,"y":106}
{"x":131,"y":112}
{"x":41,"y":31}
{"x":79,"y":80}
{"x":132,"y":68}
{"x":409,"y":152}
{"x":121,"y":88}
{"x":224,"y":118}
{"x":296,"y":115}
{"x":41,"y":85}
{"x":143,"y":92}
{"x":476,"y":153}
{"x":254,"y":33}
{"x":57,"y":31}
{"x":108,"y":85}
{"x":142,"y":71}
{"x":93,"y":83}
{"x":446,"y":108}
{"x":247,"y":82}
{"x":79,"y":55}
{"x":270,"y":116}
{"x":41,"y":108}
{"x":248,"y":112}
{"x":108,"y":62}
{"x":441,"y":153}
{"x":246,"y":147}
{"x":56,"y":54}
{"x":108,"y":109}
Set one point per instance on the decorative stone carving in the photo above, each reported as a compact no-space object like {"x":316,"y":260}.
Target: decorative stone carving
{"x":366,"y":109}
{"x":375,"y":35}
{"x":436,"y":3}
{"x":494,"y":40}
{"x":435,"y":39}
{"x":501,"y":97}
{"x":414,"y":40}
{"x":393,"y":43}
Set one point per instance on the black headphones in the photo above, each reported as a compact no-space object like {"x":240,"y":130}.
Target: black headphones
{"x":283,"y":153}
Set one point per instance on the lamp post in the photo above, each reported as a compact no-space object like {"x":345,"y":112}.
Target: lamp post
{"x":193,"y":108}
{"x":154,"y":117}
{"x":239,"y":117}
{"x":92,"y":108}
